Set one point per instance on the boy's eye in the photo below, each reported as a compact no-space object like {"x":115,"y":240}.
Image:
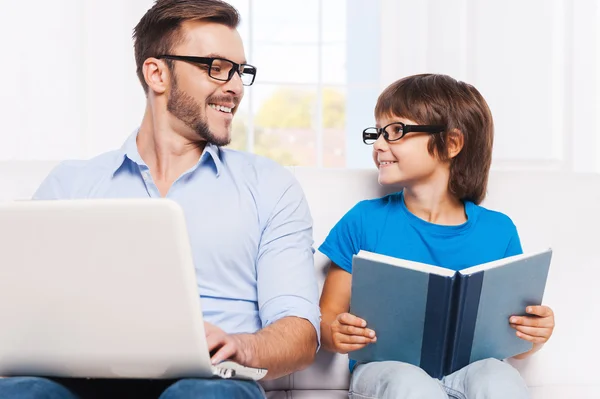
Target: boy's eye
{"x":395,"y":130}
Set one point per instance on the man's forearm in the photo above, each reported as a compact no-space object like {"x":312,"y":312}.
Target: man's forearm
{"x":286,"y":346}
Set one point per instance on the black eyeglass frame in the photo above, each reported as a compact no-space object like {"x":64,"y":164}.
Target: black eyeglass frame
{"x":209,"y":61}
{"x":371,"y":136}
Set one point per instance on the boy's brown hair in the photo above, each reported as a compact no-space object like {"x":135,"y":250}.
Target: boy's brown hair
{"x":430,"y":99}
{"x":159,"y":29}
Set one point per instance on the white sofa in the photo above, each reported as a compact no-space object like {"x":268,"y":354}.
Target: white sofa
{"x":561,"y":210}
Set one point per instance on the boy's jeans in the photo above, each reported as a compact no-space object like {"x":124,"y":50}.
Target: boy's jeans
{"x":485,"y":379}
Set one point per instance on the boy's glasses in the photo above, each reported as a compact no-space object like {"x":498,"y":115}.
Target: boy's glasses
{"x":396,"y":130}
{"x":219,"y":68}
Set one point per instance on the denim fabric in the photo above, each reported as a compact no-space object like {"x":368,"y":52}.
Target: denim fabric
{"x":64,"y":388}
{"x":486,"y":379}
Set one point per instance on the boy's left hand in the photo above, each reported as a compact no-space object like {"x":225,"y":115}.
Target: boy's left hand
{"x":534,"y":329}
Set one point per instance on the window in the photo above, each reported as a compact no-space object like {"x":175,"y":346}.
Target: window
{"x":77,"y":94}
{"x":308,"y":79}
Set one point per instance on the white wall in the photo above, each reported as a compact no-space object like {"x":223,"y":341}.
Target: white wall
{"x":68,"y":69}
{"x":534,"y":61}
{"x":70,"y":89}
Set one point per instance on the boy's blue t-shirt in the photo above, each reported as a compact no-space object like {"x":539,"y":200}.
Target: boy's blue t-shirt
{"x":385,"y":226}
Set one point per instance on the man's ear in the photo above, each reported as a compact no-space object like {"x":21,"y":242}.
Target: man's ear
{"x":455,"y":141}
{"x":157,"y":75}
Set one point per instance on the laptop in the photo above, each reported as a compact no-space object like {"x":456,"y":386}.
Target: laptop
{"x":102,"y":289}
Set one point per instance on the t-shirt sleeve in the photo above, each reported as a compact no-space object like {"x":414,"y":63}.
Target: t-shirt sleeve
{"x":345,"y":239}
{"x":514,"y":244}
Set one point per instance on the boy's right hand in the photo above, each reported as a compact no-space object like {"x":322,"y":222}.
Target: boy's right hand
{"x":349,"y":333}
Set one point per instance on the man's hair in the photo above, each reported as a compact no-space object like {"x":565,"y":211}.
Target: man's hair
{"x":159,"y":29}
{"x":431,"y":99}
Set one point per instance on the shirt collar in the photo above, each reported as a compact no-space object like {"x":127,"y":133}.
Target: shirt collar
{"x":129,"y":151}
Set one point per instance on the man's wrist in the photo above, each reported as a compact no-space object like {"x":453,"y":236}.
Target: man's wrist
{"x":245,"y":355}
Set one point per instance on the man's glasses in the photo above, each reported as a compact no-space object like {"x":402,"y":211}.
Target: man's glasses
{"x":219,"y":68}
{"x":396,"y":130}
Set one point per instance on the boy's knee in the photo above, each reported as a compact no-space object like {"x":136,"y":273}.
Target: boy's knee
{"x":397,"y":371}
{"x":493,"y":368}
{"x":496,"y":378}
{"x":397,"y":380}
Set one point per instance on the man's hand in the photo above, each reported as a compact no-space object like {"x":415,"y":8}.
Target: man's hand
{"x":349,"y":333}
{"x":223,"y":346}
{"x":534,"y":329}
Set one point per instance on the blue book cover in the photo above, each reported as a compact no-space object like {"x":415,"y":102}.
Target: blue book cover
{"x":439,"y":319}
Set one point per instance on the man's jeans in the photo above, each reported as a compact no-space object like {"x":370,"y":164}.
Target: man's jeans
{"x":485,"y":379}
{"x":42,"y":388}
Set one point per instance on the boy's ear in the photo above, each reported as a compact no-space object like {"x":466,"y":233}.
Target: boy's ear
{"x":454,"y":143}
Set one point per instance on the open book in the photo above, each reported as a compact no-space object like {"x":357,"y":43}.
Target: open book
{"x":442,"y":320}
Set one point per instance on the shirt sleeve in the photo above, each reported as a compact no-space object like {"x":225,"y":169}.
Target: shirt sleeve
{"x":52,"y":187}
{"x":514,"y":244}
{"x":344,"y":240}
{"x":286,"y":278}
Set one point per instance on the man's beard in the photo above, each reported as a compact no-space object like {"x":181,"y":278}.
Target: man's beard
{"x":187,"y":110}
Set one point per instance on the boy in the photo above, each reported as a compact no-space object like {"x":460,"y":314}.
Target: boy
{"x":433,"y":138}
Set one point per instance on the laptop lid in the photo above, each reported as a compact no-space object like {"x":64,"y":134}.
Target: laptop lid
{"x":99,"y":288}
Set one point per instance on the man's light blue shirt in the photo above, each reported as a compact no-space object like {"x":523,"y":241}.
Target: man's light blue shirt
{"x":248,"y":221}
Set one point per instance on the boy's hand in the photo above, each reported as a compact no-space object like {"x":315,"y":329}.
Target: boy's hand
{"x":534,"y":329}
{"x":349,"y":333}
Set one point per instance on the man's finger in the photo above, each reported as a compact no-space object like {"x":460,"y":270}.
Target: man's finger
{"x":535,"y":340}
{"x":210,"y":329}
{"x":214,"y":341}
{"x":227,"y":351}
{"x":533,"y":331}
{"x":351,"y":330}
{"x":542,"y":311}
{"x":351,"y":320}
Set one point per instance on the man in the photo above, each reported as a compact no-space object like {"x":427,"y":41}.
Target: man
{"x":249,"y":223}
